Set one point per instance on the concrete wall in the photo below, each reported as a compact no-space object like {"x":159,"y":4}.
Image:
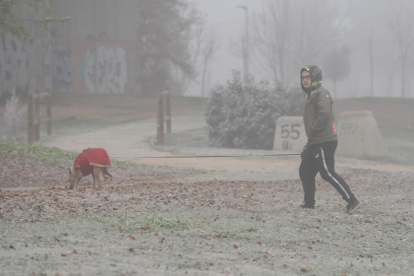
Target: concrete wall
{"x":359,"y":136}
{"x":102,"y":42}
{"x":94,"y":53}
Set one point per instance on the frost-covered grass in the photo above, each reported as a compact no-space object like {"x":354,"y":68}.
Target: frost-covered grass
{"x":237,"y":227}
{"x":400,"y":144}
{"x":53,"y":156}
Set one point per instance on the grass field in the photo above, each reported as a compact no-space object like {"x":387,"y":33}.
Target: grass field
{"x":148,"y":224}
{"x":210,"y":228}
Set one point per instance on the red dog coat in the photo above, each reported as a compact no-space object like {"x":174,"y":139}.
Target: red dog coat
{"x":92,"y":157}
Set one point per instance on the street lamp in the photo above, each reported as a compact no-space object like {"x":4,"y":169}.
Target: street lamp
{"x":246,"y":46}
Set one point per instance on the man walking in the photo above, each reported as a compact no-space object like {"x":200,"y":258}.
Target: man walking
{"x":318,"y":153}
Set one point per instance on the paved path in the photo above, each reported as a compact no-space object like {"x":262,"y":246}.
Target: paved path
{"x":125,"y":140}
{"x":132,"y":140}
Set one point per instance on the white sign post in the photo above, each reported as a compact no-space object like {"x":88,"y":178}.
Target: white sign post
{"x":290,"y":134}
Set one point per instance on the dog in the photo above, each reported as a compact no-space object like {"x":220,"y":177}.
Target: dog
{"x":90,"y":161}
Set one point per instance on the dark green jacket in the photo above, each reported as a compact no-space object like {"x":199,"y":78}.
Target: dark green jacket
{"x":318,"y":117}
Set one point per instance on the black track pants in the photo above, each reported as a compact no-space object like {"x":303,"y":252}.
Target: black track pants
{"x":320,"y":158}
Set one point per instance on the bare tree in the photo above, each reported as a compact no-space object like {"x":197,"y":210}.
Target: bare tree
{"x":369,"y":42}
{"x":197,"y":35}
{"x":337,"y":65}
{"x":320,"y":27}
{"x":202,"y":46}
{"x":291,"y":34}
{"x":274,"y":29}
{"x":242,"y":47}
{"x":210,"y":47}
{"x":371,"y":64}
{"x":402,"y":27}
{"x":17,"y":15}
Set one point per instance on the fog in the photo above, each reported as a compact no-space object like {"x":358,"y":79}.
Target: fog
{"x":226,"y":22}
{"x":377,"y":39}
{"x":365,"y":48}
{"x":207,"y":165}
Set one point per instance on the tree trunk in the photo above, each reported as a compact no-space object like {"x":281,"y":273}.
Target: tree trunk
{"x":403,"y":79}
{"x":203,"y":78}
{"x":371,"y":69}
{"x":371,"y":63}
{"x":389,"y":86}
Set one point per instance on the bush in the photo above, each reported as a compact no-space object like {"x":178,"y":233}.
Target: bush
{"x":244,"y":116}
{"x":13,"y":123}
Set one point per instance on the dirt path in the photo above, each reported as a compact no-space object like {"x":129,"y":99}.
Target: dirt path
{"x":131,"y":141}
{"x":260,"y":165}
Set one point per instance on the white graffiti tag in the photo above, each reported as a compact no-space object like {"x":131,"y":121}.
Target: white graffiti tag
{"x":14,"y":64}
{"x":62,"y":69}
{"x":106,"y":70}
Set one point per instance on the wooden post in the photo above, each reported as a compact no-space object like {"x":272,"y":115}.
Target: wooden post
{"x":37,"y":115}
{"x":30,"y":112}
{"x":49,"y":113}
{"x":160,"y":120}
{"x":168,"y":110}
{"x":34,"y":118}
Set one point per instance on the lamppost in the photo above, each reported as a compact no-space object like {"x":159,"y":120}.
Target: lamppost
{"x":246,"y":45}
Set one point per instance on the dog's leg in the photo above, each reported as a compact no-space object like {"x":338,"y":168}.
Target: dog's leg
{"x":79,"y":176}
{"x":77,"y":181}
{"x":103,"y":174}
{"x":106,"y":174}
{"x":96,"y":172}
{"x":93,"y":176}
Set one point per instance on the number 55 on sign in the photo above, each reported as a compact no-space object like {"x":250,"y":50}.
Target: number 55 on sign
{"x":290,"y":134}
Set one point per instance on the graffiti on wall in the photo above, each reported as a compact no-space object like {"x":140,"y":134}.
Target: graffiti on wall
{"x":104,"y":67}
{"x":105,"y":70}
{"x":14,"y":64}
{"x":62,"y":69}
{"x":352,"y":129}
{"x":23,"y":66}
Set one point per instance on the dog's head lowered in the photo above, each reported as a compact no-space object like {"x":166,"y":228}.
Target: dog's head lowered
{"x":74,"y":177}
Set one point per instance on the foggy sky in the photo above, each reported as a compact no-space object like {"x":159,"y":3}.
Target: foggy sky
{"x":374,"y":18}
{"x":226,"y":22}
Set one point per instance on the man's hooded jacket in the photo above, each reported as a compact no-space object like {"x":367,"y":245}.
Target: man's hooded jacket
{"x":318,"y":117}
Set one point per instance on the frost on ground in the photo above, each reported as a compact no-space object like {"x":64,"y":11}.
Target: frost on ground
{"x":22,"y":171}
{"x":210,"y":228}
